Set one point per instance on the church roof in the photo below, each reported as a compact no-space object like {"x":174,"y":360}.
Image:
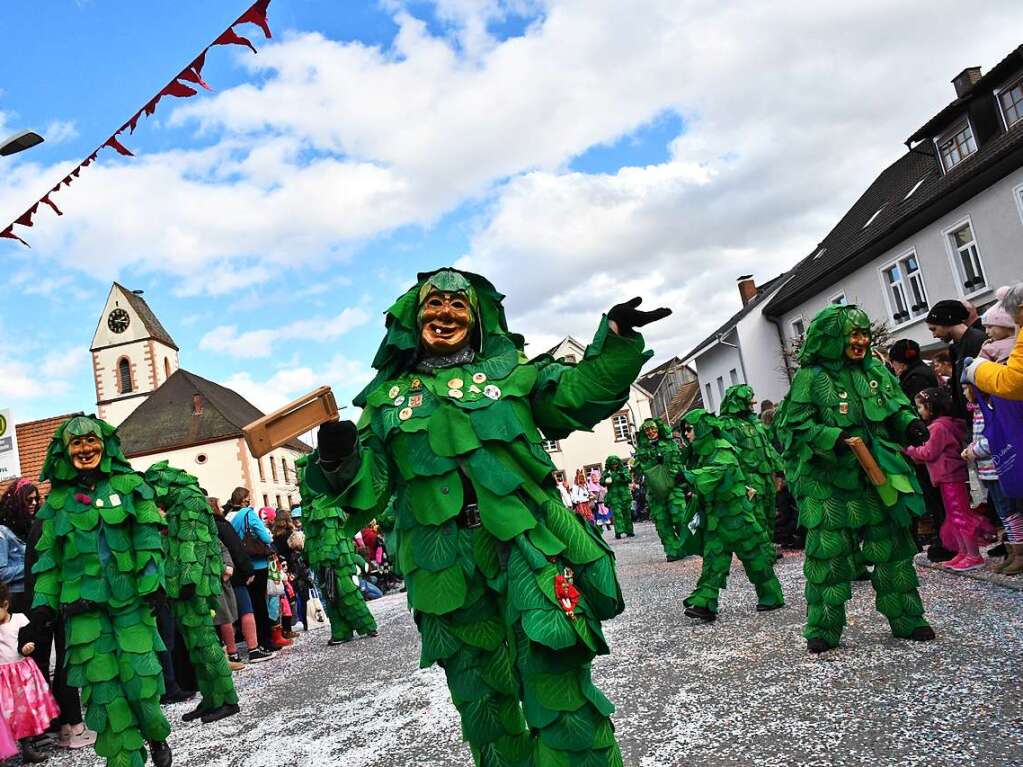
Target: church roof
{"x":156,"y":331}
{"x":168,"y":420}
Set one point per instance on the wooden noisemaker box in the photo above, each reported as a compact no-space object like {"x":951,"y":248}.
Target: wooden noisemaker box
{"x":866,"y":459}
{"x":279,"y":427}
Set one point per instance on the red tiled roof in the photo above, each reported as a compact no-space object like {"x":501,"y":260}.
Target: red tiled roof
{"x":33,"y":439}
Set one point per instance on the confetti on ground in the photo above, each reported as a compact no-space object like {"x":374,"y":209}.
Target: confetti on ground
{"x":740,"y":691}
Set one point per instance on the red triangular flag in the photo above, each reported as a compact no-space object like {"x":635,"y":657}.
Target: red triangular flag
{"x":230,"y":37}
{"x":178,"y":90}
{"x":151,"y":106}
{"x":48,"y":201}
{"x":10,"y":235}
{"x":113,"y":143}
{"x":25,"y":219}
{"x":199,"y":63}
{"x":257,"y":15}
{"x":193,"y":77}
{"x":133,"y":122}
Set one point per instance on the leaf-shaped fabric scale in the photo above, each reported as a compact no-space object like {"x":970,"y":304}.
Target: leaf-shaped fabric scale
{"x":438,"y":593}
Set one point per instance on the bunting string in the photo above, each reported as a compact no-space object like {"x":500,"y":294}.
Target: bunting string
{"x":191,"y":75}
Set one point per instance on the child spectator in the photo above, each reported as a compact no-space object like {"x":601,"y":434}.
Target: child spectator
{"x":26,"y":705}
{"x":943,"y":367}
{"x":978,"y":453}
{"x":1001,"y":331}
{"x":964,"y":528}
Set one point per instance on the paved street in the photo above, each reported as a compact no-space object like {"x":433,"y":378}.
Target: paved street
{"x":741,"y":691}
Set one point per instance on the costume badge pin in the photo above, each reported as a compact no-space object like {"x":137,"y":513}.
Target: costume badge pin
{"x":479,"y":378}
{"x":405,"y":413}
{"x":399,"y":400}
{"x":843,"y":394}
{"x":455,"y":393}
{"x":417,"y":384}
{"x":393,"y":392}
{"x":475,"y":389}
{"x":492,"y":392}
{"x":843,"y":408}
{"x":415,"y":400}
{"x":456,"y":383}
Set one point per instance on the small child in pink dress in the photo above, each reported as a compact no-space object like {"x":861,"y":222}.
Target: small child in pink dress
{"x":26,"y":705}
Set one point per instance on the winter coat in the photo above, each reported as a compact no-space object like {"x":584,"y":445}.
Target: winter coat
{"x":968,"y":346}
{"x":238,"y":520}
{"x":233,"y":542}
{"x":997,"y":351}
{"x":981,"y":450}
{"x":1002,"y":380}
{"x":942,"y":453}
{"x":12,"y":560}
{"x":917,"y":377}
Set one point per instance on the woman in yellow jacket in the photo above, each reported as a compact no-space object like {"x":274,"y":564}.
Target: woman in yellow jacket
{"x":1002,"y":380}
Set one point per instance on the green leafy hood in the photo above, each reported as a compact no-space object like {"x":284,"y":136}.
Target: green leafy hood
{"x":705,"y":427}
{"x":828,"y":335}
{"x":400,"y":348}
{"x":58,"y":468}
{"x":738,"y":401}
{"x":612,"y":462}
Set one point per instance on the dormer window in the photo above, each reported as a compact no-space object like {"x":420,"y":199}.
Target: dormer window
{"x":956,"y":145}
{"x":1011,"y":101}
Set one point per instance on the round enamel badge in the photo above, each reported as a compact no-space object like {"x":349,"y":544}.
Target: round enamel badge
{"x":492,"y":392}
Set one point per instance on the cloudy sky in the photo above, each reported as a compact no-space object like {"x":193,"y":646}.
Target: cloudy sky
{"x":577,"y":152}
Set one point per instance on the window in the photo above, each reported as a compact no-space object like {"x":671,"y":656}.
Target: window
{"x":956,"y":145}
{"x":871,"y":219}
{"x":279,"y":504}
{"x":1011,"y":100}
{"x":559,"y":476}
{"x":551,"y":446}
{"x":569,"y":358}
{"x":721,"y":386}
{"x":124,"y":376}
{"x":798,"y":327}
{"x":709,"y":404}
{"x":273,"y":468}
{"x":262,"y":476}
{"x":733,"y":375}
{"x":166,"y":368}
{"x":290,"y":502}
{"x":966,"y":257}
{"x":904,"y":289}
{"x":266,"y":500}
{"x":622,"y":427}
{"x":284,"y":470}
{"x":839,"y":299}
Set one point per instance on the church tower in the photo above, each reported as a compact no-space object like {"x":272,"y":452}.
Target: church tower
{"x":132,"y":354}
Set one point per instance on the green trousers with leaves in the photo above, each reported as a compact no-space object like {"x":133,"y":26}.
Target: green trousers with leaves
{"x":664,"y":515}
{"x":347,"y":611}
{"x":112,"y":658}
{"x":202,"y":642}
{"x":620,"y":504}
{"x":749,"y":543}
{"x":832,"y":562}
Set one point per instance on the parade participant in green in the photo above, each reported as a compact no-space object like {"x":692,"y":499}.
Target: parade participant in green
{"x":659,"y":459}
{"x":759,"y":460}
{"x":330,"y":552}
{"x":508,"y":588}
{"x":842,"y":391}
{"x":618,"y":480}
{"x":193,"y":581}
{"x":100,"y":565}
{"x":722,"y":520}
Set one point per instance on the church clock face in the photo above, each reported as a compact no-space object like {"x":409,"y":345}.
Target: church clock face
{"x":118,"y":320}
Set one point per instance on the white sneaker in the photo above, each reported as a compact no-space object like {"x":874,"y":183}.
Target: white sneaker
{"x":78,"y":736}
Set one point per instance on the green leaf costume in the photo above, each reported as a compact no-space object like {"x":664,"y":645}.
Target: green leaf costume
{"x":101,"y":542}
{"x":724,"y":517}
{"x":482,"y":534}
{"x":330,"y":551}
{"x":660,"y":461}
{"x":194,"y":563}
{"x":617,"y":479}
{"x":757,"y":456}
{"x":833,"y":396}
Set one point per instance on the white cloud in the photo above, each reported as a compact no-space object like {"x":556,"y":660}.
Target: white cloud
{"x":21,"y":382}
{"x":344,"y":375}
{"x":226,"y":339}
{"x":59,"y":131}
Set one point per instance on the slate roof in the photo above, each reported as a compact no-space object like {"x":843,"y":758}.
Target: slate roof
{"x":152,"y":324}
{"x":33,"y":440}
{"x":762,"y":292}
{"x":166,"y":420}
{"x":852,"y":243}
{"x":651,"y":380}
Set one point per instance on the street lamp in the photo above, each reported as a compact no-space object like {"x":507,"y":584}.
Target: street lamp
{"x":20,"y":142}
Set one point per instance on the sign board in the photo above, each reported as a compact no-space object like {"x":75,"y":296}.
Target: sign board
{"x":10,"y":466}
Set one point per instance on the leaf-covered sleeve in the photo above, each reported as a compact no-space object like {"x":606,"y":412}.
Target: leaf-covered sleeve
{"x":800,"y":420}
{"x":570,"y":398}
{"x":147,"y":542}
{"x":47,"y":567}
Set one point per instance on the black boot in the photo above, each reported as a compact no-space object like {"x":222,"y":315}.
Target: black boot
{"x":195,"y":713}
{"x":816,"y":645}
{"x":161,"y":753}
{"x":617,"y":536}
{"x":768,"y":608}
{"x":922,"y":634}
{"x":702,"y":613}
{"x":938,"y":553}
{"x":216,"y":714}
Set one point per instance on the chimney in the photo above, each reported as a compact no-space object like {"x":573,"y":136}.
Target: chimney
{"x":747,"y":288}
{"x":196,"y":404}
{"x":965,"y":80}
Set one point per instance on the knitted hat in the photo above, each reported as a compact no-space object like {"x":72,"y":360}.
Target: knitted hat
{"x":947,"y":313}
{"x":904,"y":351}
{"x":996,"y":316}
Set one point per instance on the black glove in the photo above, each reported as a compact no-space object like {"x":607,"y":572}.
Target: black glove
{"x":187,"y":591}
{"x":627,"y":317}
{"x":917,"y":433}
{"x":77,"y":607}
{"x":337,"y":440}
{"x":43,"y":616}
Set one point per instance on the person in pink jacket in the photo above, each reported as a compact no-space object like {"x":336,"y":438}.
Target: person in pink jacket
{"x":964,"y":528}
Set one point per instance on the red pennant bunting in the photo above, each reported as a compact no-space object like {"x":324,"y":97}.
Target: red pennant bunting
{"x":25,"y":219}
{"x":198,"y":63}
{"x":113,"y":143}
{"x":46,"y":199}
{"x":178,"y":90}
{"x":193,"y":77}
{"x":256,"y":15}
{"x":230,"y":37}
{"x":133,"y":122}
{"x":10,"y":235}
{"x":151,"y":106}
